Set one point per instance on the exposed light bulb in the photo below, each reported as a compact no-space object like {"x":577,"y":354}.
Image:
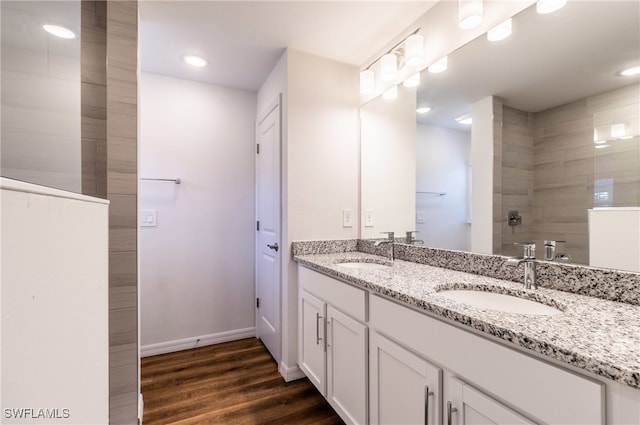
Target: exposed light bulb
{"x":367,"y":82}
{"x":501,"y":31}
{"x":59,"y":31}
{"x":389,"y":68}
{"x":413,"y":81}
{"x":414,"y":50}
{"x":469,"y":13}
{"x":439,"y":66}
{"x":549,"y":6}
{"x":196,"y":61}
{"x":390,"y":94}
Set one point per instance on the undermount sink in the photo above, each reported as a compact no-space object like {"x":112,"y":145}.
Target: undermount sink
{"x":499,"y":302}
{"x":364,"y":265}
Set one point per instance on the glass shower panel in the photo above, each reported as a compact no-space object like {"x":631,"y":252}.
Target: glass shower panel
{"x":40,"y":83}
{"x":617,"y":155}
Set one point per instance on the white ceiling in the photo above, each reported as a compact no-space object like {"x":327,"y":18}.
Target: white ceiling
{"x":549,"y":60}
{"x":243,"y":40}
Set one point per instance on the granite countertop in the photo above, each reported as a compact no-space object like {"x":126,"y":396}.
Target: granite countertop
{"x":593,"y":334}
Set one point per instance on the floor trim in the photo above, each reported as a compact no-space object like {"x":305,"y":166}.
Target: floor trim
{"x":196,"y":341}
{"x":290,"y":373}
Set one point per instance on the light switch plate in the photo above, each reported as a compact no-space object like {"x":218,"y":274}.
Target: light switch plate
{"x":347,"y":218}
{"x":148,"y":218}
{"x":368,"y":218}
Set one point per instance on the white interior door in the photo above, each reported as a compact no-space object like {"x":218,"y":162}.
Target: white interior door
{"x":268,"y":227}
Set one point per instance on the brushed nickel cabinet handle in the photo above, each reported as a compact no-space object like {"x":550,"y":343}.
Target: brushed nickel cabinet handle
{"x":450,"y":410}
{"x":318,"y":337}
{"x":427,"y":394}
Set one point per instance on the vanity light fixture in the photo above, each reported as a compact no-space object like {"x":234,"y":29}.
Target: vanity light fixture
{"x":389,"y":68}
{"x":602,"y":146}
{"x":549,"y":6}
{"x":423,"y":109}
{"x":469,"y":13}
{"x":59,"y":31}
{"x":196,"y":61}
{"x":390,"y":94}
{"x":414,"y":50}
{"x":501,"y":31}
{"x":439,"y":66}
{"x":464,"y":119}
{"x":367,"y":82}
{"x":413,"y":81}
{"x":630,"y":72}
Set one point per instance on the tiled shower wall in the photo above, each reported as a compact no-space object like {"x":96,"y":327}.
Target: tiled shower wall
{"x":549,"y":166}
{"x":109,"y":157}
{"x":517,"y":178}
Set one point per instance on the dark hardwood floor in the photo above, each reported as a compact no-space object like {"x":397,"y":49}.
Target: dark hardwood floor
{"x":231,"y":383}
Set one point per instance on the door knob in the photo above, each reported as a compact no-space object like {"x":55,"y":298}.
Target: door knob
{"x":274,"y":246}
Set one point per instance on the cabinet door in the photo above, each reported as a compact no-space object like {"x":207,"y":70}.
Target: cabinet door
{"x":347,"y":366}
{"x":467,"y":406}
{"x":312,"y":333}
{"x":404,"y":388}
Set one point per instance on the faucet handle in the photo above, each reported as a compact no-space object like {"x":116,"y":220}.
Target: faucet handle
{"x":529,"y":249}
{"x":390,"y":235}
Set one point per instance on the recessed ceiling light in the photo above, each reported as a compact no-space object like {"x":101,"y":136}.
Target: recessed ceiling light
{"x":464,"y":119}
{"x":501,"y":31}
{"x":423,"y":109}
{"x":59,"y":31}
{"x":549,"y":6}
{"x":194,"y":61}
{"x":439,"y":66}
{"x":629,"y":72}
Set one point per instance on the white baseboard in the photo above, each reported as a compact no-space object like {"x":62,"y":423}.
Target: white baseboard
{"x":290,"y":373}
{"x":196,"y":341}
{"x":140,"y":408}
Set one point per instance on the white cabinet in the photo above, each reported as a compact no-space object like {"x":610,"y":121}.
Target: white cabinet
{"x":347,"y":366}
{"x":312,"y":358}
{"x":404,"y":388}
{"x":510,"y":380}
{"x":466,"y":405}
{"x":333,"y":342}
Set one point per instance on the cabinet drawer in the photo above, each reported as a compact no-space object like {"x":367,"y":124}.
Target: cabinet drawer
{"x":341,"y":295}
{"x":545,"y":392}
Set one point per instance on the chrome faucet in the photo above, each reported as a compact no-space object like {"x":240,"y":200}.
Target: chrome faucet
{"x":551,"y":254}
{"x":410,"y":239}
{"x":529,"y":260}
{"x":390,"y":240}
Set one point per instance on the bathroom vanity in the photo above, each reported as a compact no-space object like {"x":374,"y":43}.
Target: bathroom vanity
{"x":384,"y":343}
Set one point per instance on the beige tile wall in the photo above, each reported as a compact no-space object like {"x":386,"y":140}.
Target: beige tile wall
{"x":517,"y":178}
{"x":122,"y":184}
{"x":549,"y":165}
{"x":109,"y":159}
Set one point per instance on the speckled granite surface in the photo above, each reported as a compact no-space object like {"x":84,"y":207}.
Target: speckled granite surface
{"x":593,"y":334}
{"x":608,"y":284}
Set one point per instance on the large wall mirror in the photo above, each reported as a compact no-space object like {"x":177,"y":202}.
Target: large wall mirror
{"x":41,"y":93}
{"x":530,"y":138}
